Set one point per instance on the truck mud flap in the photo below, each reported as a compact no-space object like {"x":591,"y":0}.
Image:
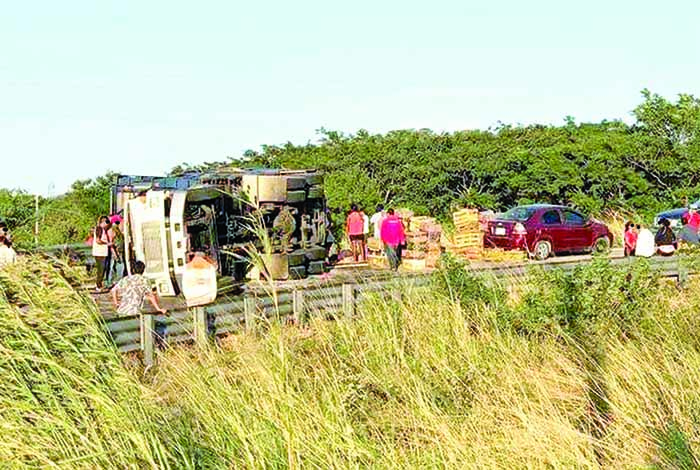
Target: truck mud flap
{"x":297,"y":272}
{"x":295,"y":183}
{"x":316,"y":253}
{"x":296,"y":196}
{"x":315,"y":192}
{"x":316,"y":267}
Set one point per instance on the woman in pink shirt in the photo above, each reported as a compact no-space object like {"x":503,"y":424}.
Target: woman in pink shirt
{"x":355,"y":228}
{"x":393,"y":236}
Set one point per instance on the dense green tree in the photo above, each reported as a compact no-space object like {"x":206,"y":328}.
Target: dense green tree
{"x":644,"y":167}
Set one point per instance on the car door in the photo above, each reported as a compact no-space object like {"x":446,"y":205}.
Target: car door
{"x":579,"y":234}
{"x":553,"y":229}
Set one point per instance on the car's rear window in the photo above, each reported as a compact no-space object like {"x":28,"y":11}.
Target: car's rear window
{"x":521,"y":214}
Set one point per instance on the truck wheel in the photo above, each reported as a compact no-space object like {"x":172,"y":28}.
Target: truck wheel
{"x":297,"y":258}
{"x":315,"y":192}
{"x":297,"y":272}
{"x":295,"y":183}
{"x":313,"y":180}
{"x":543,"y":249}
{"x":296,"y":196}
{"x":316,"y":253}
{"x":316,"y":267}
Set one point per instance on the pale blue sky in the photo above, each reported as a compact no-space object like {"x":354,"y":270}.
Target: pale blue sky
{"x":140,"y":86}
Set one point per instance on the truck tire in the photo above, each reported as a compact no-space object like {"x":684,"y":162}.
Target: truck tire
{"x":296,"y":196}
{"x":316,"y":253}
{"x":316,"y":267}
{"x":297,"y":272}
{"x":297,"y":258}
{"x":295,"y":183}
{"x":315,"y":192}
{"x":314,"y":179}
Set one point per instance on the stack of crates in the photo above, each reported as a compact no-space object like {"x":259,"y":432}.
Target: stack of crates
{"x":375,"y":254}
{"x":468,"y":239}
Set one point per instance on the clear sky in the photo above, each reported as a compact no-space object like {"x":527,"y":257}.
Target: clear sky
{"x":140,"y":86}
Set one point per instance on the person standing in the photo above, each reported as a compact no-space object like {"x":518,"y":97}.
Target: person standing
{"x":116,"y":268}
{"x":630,"y":238}
{"x":130,"y":291}
{"x":376,"y":221}
{"x":687,"y":234}
{"x":100,"y":251}
{"x":694,"y":219}
{"x":393,"y":236}
{"x":365,"y":233}
{"x":355,"y":228}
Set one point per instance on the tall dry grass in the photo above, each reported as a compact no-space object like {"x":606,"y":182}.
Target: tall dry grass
{"x":443,"y":378}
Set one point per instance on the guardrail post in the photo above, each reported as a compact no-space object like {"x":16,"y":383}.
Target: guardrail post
{"x":249,"y":313}
{"x":348,"y":300}
{"x":148,"y":323}
{"x":298,"y":306}
{"x":682,"y":272}
{"x":199,"y":317}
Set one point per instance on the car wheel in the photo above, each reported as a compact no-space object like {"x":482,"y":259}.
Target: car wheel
{"x":601,"y":245}
{"x":542,"y":250}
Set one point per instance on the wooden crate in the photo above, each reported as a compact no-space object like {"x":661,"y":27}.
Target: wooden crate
{"x":416,"y":223}
{"x":413,"y":264}
{"x":413,"y":254}
{"x":473,"y":226}
{"x":416,"y":239}
{"x":463,"y":240}
{"x":465,"y":216}
{"x":432,"y":261}
{"x":376,"y":261}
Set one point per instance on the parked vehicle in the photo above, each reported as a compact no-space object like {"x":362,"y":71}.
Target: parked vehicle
{"x":674,"y":216}
{"x":543,"y":229}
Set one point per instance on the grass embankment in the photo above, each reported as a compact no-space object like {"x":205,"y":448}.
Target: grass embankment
{"x":598,"y":369}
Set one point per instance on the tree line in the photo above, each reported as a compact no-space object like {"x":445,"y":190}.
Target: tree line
{"x":643,"y":167}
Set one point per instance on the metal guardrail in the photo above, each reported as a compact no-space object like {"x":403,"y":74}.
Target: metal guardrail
{"x":299,"y":302}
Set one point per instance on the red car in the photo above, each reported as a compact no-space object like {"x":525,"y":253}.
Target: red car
{"x":543,"y":229}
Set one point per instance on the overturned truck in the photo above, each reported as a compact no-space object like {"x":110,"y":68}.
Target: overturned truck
{"x":227,"y":217}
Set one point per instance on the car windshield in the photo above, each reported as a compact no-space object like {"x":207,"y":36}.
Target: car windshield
{"x":521,"y":214}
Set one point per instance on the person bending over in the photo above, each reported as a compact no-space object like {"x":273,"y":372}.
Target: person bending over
{"x":130,"y":291}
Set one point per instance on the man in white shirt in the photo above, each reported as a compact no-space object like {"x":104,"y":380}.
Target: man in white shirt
{"x":377,"y":220}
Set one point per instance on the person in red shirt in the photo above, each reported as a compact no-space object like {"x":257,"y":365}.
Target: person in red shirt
{"x":355,"y":228}
{"x":393,"y":236}
{"x":630,"y":239}
{"x":694,"y":219}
